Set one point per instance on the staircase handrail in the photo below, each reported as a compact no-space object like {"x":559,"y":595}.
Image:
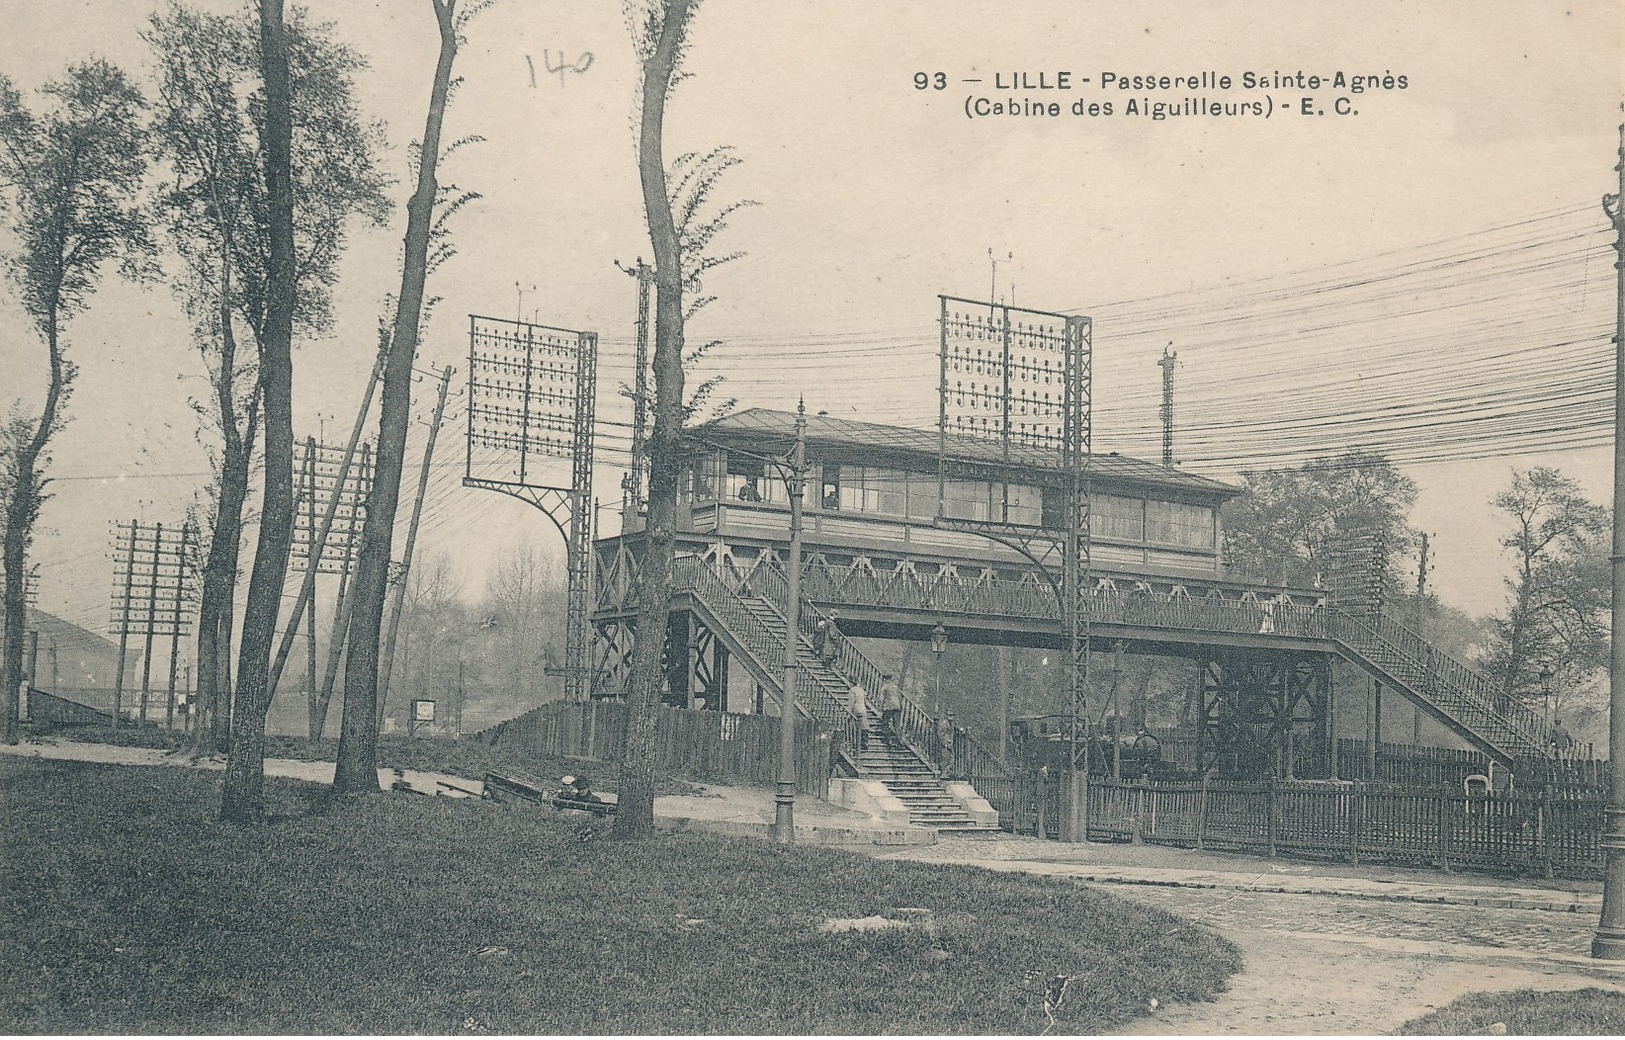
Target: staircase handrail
{"x":693,"y":575}
{"x":918,"y":728}
{"x":1442,"y":678}
{"x":850,"y":663}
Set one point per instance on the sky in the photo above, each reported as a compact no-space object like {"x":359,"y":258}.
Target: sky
{"x":1432,"y":270}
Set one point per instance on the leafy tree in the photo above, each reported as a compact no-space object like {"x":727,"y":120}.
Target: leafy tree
{"x":310,"y":167}
{"x":203,"y":133}
{"x":1290,"y":524}
{"x":71,"y":177}
{"x":683,"y":221}
{"x":424,"y":248}
{"x":1557,"y":611}
{"x":207,"y":120}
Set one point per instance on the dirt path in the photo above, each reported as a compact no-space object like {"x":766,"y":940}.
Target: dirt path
{"x":1358,"y":953}
{"x":1303,"y":985}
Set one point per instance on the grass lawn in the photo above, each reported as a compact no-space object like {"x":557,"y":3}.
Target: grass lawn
{"x":1527,"y":1012}
{"x":126,"y":907}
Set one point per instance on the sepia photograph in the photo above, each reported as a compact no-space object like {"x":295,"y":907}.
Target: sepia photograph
{"x":709,"y":517}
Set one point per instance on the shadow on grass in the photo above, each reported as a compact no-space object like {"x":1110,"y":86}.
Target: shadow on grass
{"x":129,"y":908}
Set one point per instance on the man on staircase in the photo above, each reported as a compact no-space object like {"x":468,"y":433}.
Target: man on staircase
{"x":891,"y":706}
{"x":857,"y":702}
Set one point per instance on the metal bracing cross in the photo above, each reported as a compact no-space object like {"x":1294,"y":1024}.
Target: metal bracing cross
{"x":1252,"y":707}
{"x":531,"y":404}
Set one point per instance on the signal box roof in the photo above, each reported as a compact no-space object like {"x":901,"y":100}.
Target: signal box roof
{"x":772,"y":431}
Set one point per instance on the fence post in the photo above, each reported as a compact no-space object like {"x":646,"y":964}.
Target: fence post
{"x":1444,"y":832}
{"x":1201,"y":820}
{"x":1043,"y":800}
{"x":1271,"y":823}
{"x":1543,"y":829}
{"x":1137,"y":834}
{"x":1356,"y":820}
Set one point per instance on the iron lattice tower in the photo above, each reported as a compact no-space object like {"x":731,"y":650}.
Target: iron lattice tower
{"x":531,"y":400}
{"x":1022,"y":380}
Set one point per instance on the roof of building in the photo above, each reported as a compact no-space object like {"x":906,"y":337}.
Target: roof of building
{"x":778,"y":427}
{"x":66,"y":633}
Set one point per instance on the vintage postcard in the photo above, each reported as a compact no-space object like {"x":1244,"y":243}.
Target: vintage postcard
{"x":1035,"y":516}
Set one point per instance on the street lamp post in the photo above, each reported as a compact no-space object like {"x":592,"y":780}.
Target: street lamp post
{"x":1546,"y":694}
{"x":784,"y":798}
{"x":1609,"y":943}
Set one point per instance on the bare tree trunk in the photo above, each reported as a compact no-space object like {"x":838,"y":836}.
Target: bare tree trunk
{"x":214,"y":609}
{"x":357,"y":771}
{"x":213,"y":695}
{"x":242,"y":798}
{"x":634,"y":816}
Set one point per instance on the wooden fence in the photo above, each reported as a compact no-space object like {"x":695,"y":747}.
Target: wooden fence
{"x":1409,"y":765}
{"x":1550,"y":832}
{"x":693,"y":745}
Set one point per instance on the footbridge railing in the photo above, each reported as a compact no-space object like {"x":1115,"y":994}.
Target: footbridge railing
{"x":691,"y":574}
{"x":1376,"y":642}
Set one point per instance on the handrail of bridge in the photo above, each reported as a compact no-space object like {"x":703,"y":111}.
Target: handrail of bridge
{"x":1003,"y":597}
{"x":1435,"y":676}
{"x":690,"y":573}
{"x":1444,"y":676}
{"x":918,"y":728}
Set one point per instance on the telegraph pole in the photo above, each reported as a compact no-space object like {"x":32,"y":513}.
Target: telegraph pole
{"x":784,"y":820}
{"x":344,"y":606}
{"x":1421,"y":615}
{"x":124,"y":621}
{"x":1167,"y":361}
{"x":1609,"y":943}
{"x":152,"y":613}
{"x":175,"y":622}
{"x":307,"y":588}
{"x":411,"y":539}
{"x":312,"y":565}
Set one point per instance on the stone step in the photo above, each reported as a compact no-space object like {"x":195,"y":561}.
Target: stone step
{"x":937,"y":819}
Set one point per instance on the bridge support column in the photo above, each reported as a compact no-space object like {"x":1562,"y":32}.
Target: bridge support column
{"x":1075,"y":807}
{"x":708,"y":669}
{"x":1265,"y":714}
